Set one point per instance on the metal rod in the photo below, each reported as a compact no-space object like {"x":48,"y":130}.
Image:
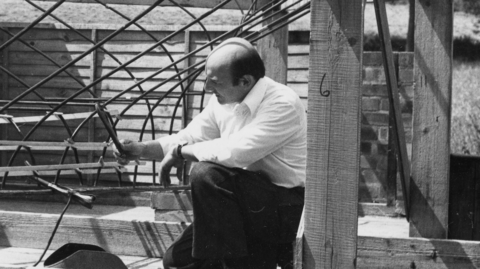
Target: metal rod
{"x":43,"y":81}
{"x":35,"y":22}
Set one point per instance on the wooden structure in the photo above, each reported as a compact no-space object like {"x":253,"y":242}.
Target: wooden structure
{"x":330,"y":233}
{"x":464,"y":205}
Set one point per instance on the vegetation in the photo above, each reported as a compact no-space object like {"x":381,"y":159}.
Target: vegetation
{"x":467,"y":6}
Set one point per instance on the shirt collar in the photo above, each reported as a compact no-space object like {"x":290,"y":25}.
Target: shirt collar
{"x":253,"y":99}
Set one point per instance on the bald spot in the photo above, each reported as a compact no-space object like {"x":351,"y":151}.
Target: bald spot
{"x":228,"y":51}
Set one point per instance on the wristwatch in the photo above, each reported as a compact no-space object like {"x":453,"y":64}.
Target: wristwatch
{"x":179,"y":150}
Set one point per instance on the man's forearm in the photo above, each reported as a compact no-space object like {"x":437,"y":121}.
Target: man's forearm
{"x":152,"y":150}
{"x":187,"y":153}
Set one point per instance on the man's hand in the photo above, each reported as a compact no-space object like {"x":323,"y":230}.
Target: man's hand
{"x":133,"y":151}
{"x":170,"y":160}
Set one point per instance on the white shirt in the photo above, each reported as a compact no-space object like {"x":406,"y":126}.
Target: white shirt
{"x":267,"y":131}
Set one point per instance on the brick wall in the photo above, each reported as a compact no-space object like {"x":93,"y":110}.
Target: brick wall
{"x":375,"y":118}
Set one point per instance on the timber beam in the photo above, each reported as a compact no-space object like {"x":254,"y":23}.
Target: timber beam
{"x":376,"y":252}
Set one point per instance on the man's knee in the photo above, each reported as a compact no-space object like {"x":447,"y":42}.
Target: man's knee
{"x":207,"y":173}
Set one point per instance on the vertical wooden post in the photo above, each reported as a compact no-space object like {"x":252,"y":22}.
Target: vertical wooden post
{"x":394,"y":101}
{"x":91,"y":123}
{"x":334,"y":114}
{"x":273,"y":49}
{"x":5,"y":96}
{"x":431,"y":121}
{"x":186,"y":99}
{"x":391,"y":189}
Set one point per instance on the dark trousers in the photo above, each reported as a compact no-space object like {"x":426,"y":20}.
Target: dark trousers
{"x":241,"y":220}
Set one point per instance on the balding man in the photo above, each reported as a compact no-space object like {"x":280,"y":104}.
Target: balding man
{"x":248,"y":184}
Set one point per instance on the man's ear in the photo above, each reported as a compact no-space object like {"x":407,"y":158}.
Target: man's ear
{"x":247,"y":81}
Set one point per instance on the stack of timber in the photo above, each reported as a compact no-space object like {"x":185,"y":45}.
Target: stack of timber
{"x":121,"y":222}
{"x":136,"y":224}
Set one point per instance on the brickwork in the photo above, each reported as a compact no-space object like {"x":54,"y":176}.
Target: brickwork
{"x":375,"y":118}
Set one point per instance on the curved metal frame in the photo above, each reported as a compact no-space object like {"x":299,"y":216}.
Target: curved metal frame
{"x":184,"y":78}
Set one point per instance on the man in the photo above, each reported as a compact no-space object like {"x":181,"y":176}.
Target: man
{"x":248,"y":184}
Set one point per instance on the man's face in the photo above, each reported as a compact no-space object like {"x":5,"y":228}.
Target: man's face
{"x":219,"y":81}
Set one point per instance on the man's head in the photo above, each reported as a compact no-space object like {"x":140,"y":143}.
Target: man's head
{"x":232,"y":69}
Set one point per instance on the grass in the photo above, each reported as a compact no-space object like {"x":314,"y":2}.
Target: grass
{"x":465,"y":124}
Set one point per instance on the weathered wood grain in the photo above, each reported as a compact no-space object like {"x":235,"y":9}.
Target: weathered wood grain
{"x":4,"y":58}
{"x":273,"y":50}
{"x":58,"y":166}
{"x":333,"y":134}
{"x":42,"y":145}
{"x":395,"y":113}
{"x":431,"y":121}
{"x":123,"y":237}
{"x":26,"y":257}
{"x":376,"y":252}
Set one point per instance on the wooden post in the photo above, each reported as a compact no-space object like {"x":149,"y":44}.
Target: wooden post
{"x":431,"y":121}
{"x":273,"y":49}
{"x":394,"y":101}
{"x":186,"y":99}
{"x":4,"y":95}
{"x":391,"y":188}
{"x":334,"y":113}
{"x":91,"y":123}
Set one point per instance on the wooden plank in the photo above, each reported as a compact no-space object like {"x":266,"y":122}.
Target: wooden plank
{"x":121,"y":237}
{"x":58,"y":82}
{"x":157,"y":60}
{"x":394,"y":101}
{"x":64,"y":35}
{"x":45,"y":70}
{"x":81,"y":46}
{"x":88,"y":26}
{"x":300,"y":88}
{"x":137,"y":124}
{"x":297,"y":61}
{"x":333,"y":134}
{"x":71,"y":116}
{"x":298,"y":245}
{"x":53,"y":145}
{"x":136,"y":34}
{"x":33,"y":58}
{"x":27,"y":257}
{"x":431,"y":121}
{"x":376,"y":252}
{"x":171,"y":200}
{"x":59,"y":166}
{"x":163,"y":110}
{"x":244,"y":4}
{"x":391,"y":179}
{"x":91,"y":123}
{"x":273,"y":49}
{"x":5,"y":92}
{"x":63,"y":173}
